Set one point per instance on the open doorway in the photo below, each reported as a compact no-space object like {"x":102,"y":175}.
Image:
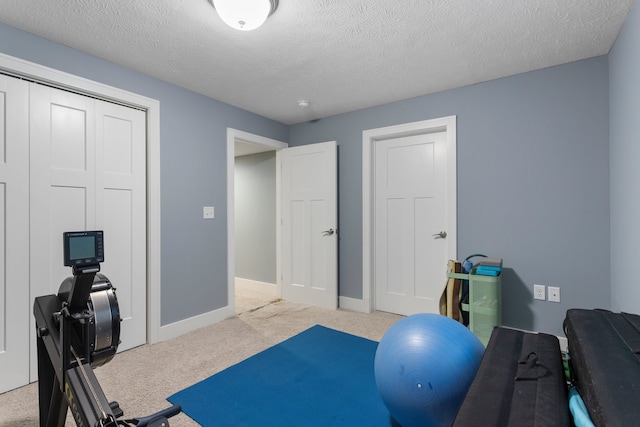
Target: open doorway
{"x":255,"y":226}
{"x":253,"y":209}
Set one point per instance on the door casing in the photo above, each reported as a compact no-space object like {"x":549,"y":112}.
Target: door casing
{"x":369,"y":138}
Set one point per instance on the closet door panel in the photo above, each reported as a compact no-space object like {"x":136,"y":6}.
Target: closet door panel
{"x":14,"y":233}
{"x":62,"y":184}
{"x":121,"y":211}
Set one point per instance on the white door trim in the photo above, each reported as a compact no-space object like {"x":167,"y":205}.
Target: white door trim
{"x":40,"y":73}
{"x":369,"y":138}
{"x":232,"y":136}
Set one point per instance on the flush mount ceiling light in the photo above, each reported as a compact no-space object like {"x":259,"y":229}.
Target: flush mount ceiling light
{"x":244,"y":15}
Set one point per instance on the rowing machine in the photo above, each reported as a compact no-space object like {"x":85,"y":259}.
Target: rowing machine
{"x":78,"y":330}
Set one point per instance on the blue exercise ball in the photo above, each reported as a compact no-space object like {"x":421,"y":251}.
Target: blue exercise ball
{"x":424,"y":366}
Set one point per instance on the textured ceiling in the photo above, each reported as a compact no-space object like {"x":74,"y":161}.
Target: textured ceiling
{"x":342,"y":55}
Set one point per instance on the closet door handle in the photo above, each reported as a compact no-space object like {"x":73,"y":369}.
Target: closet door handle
{"x":441,"y":235}
{"x":328,"y":232}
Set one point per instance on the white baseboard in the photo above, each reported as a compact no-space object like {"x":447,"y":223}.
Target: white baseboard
{"x":257,"y":285}
{"x":181,"y":327}
{"x":352,"y":304}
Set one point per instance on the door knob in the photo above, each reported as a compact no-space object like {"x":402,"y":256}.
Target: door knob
{"x":328,"y":232}
{"x":441,"y":235}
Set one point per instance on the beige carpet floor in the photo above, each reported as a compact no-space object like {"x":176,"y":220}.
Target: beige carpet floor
{"x":142,"y":378}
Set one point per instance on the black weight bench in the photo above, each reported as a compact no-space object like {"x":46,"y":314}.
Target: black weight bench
{"x":520,"y":382}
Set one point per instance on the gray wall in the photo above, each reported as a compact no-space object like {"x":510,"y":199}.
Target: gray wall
{"x":533,"y":183}
{"x":539,"y":140}
{"x":193,"y":171}
{"x":255,"y":217}
{"x":624,"y":86}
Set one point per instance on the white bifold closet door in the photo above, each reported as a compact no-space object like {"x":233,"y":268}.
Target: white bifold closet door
{"x":14,"y":233}
{"x":69,"y":162}
{"x":88,"y":172}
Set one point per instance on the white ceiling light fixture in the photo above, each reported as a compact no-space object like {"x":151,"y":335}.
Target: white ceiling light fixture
{"x":245,"y":15}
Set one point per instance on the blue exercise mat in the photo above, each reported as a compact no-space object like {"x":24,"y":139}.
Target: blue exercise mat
{"x":320,"y":377}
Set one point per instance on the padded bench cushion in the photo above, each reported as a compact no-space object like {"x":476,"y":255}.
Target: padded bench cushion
{"x":604,"y":350}
{"x":520,"y":382}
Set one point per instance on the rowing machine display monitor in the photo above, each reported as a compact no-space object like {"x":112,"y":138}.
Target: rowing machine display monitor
{"x":83,"y":248}
{"x":78,"y":330}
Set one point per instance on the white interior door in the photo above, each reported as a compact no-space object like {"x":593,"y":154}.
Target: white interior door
{"x":14,"y":233}
{"x":121,"y":212}
{"x":87,"y":172}
{"x":309,"y":224}
{"x":410,"y":213}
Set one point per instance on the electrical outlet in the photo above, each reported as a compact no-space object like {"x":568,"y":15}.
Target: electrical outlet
{"x":208,"y":212}
{"x":554,"y":294}
{"x":538,"y":292}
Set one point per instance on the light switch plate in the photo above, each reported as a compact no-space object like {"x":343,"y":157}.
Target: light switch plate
{"x":554,"y":294}
{"x":208,"y":212}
